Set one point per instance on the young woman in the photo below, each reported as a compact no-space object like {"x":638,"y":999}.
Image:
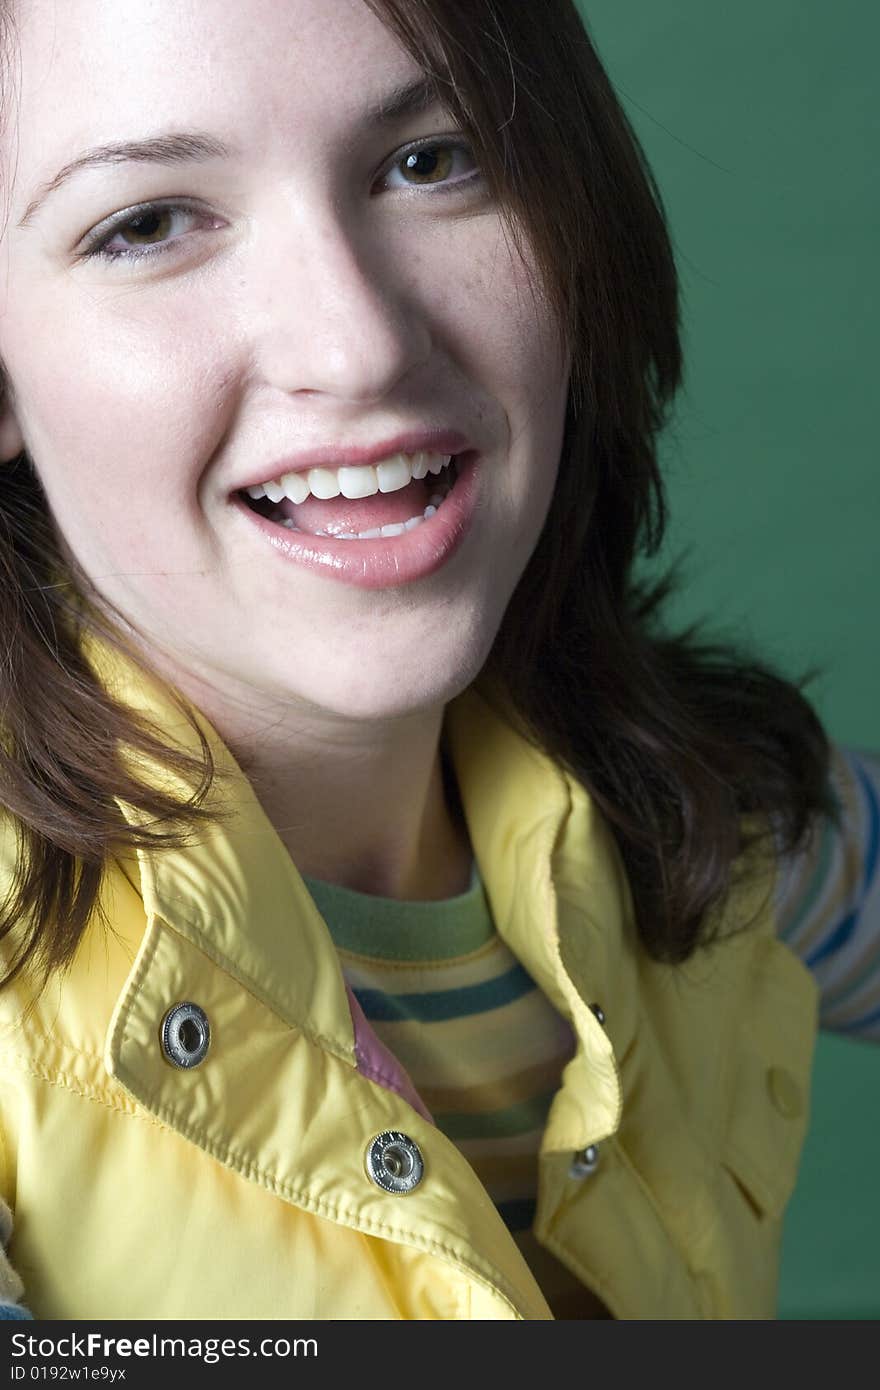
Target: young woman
{"x":392,"y":911}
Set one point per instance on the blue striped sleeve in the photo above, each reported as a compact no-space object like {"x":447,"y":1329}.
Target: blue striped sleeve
{"x":14,"y":1312}
{"x":828,"y":900}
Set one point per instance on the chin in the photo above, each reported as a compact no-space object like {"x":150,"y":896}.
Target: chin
{"x":394,"y":692}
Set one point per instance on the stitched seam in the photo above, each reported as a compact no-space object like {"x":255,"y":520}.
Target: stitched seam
{"x":327,"y":1044}
{"x":64,"y":1047}
{"x":267,"y":1180}
{"x":122,"y":1104}
{"x":135,"y":983}
{"x":223,"y":963}
{"x":319,"y":1206}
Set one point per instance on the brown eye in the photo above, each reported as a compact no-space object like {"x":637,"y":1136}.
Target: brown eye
{"x":151,"y":230}
{"x":151,"y":226}
{"x":428,"y":166}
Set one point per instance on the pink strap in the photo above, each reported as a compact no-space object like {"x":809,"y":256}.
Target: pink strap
{"x":376,"y":1062}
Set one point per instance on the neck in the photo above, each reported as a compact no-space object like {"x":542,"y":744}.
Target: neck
{"x":381,"y":819}
{"x":367,"y":805}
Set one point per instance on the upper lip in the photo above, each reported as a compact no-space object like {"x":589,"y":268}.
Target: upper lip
{"x":433,"y":441}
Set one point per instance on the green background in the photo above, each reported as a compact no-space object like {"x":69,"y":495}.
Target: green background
{"x":760,"y":121}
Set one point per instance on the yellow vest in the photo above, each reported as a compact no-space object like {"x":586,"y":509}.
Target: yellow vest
{"x":241,"y":1188}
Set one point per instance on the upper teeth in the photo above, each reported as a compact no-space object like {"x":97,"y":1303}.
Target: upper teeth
{"x":389,"y":476}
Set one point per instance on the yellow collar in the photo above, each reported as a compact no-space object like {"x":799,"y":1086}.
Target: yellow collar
{"x":236,"y":894}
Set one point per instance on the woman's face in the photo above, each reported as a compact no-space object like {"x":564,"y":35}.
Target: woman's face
{"x":311,"y":289}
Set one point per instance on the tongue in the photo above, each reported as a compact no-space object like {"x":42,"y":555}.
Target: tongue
{"x":337,"y":514}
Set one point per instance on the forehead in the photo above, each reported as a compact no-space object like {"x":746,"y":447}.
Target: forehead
{"x":91,"y":70}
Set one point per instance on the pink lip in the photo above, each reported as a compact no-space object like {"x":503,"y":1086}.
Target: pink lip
{"x":388,"y":562}
{"x":350,"y":456}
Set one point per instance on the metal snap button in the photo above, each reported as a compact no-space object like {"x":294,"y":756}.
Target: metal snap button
{"x":186,"y":1035}
{"x":585,"y":1162}
{"x":598,"y":1011}
{"x":394,"y":1162}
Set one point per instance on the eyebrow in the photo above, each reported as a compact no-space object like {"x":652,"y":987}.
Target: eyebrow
{"x":193,"y":146}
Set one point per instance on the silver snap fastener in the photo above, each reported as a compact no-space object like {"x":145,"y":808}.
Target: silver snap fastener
{"x":186,"y":1035}
{"x":394,"y":1162}
{"x":585,"y":1162}
{"x":598,"y":1011}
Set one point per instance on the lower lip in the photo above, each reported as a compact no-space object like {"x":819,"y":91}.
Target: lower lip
{"x":390,"y":561}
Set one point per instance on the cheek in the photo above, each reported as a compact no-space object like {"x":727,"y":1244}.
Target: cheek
{"x":111,"y":403}
{"x":507,"y":335}
{"x":527,"y":371}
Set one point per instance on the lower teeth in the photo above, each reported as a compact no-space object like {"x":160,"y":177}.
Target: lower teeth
{"x":396,"y":528}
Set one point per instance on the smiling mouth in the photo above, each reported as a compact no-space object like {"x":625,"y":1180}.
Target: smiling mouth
{"x":391,"y":498}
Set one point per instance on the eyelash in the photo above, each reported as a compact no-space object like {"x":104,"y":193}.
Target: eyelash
{"x":97,"y":246}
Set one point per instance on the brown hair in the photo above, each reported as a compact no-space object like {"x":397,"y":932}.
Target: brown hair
{"x":677,"y":741}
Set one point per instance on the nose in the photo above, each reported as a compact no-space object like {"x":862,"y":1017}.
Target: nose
{"x":335,"y":315}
